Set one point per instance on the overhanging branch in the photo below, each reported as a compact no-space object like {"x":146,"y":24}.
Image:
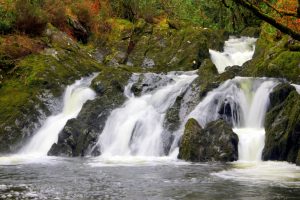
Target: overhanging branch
{"x":268,"y":19}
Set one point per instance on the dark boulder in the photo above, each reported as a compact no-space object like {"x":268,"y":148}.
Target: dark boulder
{"x":280,"y":93}
{"x":216,"y":142}
{"x":283,"y":125}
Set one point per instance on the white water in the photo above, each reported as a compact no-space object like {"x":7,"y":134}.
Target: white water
{"x":297,"y":88}
{"x":252,"y":173}
{"x":136,"y":128}
{"x":74,"y":98}
{"x":248,"y":99}
{"x":236,"y":52}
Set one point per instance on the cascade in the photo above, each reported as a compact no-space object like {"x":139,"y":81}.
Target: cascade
{"x":297,"y":87}
{"x":236,"y":52}
{"x":74,"y":97}
{"x":242,"y":102}
{"x":136,"y":128}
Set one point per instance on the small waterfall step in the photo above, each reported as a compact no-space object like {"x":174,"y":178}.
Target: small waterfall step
{"x":237,"y":51}
{"x":136,"y":128}
{"x":74,"y":98}
{"x":243,"y":102}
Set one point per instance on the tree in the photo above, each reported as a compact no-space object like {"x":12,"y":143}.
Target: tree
{"x":282,"y":14}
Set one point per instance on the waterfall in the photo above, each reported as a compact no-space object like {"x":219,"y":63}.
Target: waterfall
{"x":297,"y":88}
{"x":242,"y":102}
{"x":74,"y":97}
{"x":236,"y":52}
{"x":136,"y":128}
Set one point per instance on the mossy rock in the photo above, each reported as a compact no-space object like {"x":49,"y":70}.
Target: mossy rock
{"x":274,"y":57}
{"x":158,"y":48}
{"x":216,"y":142}
{"x":283,"y":129}
{"x":36,"y":81}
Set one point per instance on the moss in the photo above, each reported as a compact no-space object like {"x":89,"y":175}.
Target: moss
{"x":274,"y":57}
{"x":31,"y":77}
{"x":286,"y":64}
{"x":187,"y":150}
{"x":203,"y":145}
{"x":282,"y":130}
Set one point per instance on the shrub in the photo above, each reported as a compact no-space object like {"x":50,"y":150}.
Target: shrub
{"x":7,"y":20}
{"x":30,"y":18}
{"x":56,"y":12}
{"x":84,"y":12}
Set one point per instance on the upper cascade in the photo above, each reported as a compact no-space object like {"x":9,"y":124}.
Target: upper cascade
{"x":136,"y":128}
{"x":237,"y":51}
{"x":74,"y":98}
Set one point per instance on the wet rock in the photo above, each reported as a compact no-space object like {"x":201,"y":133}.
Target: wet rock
{"x":172,"y":120}
{"x":80,"y":135}
{"x":148,"y":63}
{"x":148,"y":82}
{"x":216,"y":142}
{"x":280,"y":93}
{"x":282,"y":125}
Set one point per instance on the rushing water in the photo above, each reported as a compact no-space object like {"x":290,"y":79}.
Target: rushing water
{"x":136,"y":129}
{"x":236,"y":52}
{"x":242,"y":102}
{"x":74,"y":98}
{"x":297,"y":87}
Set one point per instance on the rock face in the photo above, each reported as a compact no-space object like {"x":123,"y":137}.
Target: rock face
{"x":80,"y":135}
{"x":283,"y":125}
{"x":275,"y":56}
{"x":216,"y":142}
{"x":160,"y":47}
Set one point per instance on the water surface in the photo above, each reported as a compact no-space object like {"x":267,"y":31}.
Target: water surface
{"x":57,"y":178}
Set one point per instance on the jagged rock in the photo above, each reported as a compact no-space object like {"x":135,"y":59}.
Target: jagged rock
{"x":147,"y":82}
{"x":79,"y":31}
{"x":227,"y":113}
{"x":283,"y":125}
{"x":216,"y":142}
{"x":172,"y":120}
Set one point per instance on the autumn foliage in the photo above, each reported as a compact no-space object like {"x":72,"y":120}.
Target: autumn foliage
{"x":282,"y":14}
{"x":288,"y":6}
